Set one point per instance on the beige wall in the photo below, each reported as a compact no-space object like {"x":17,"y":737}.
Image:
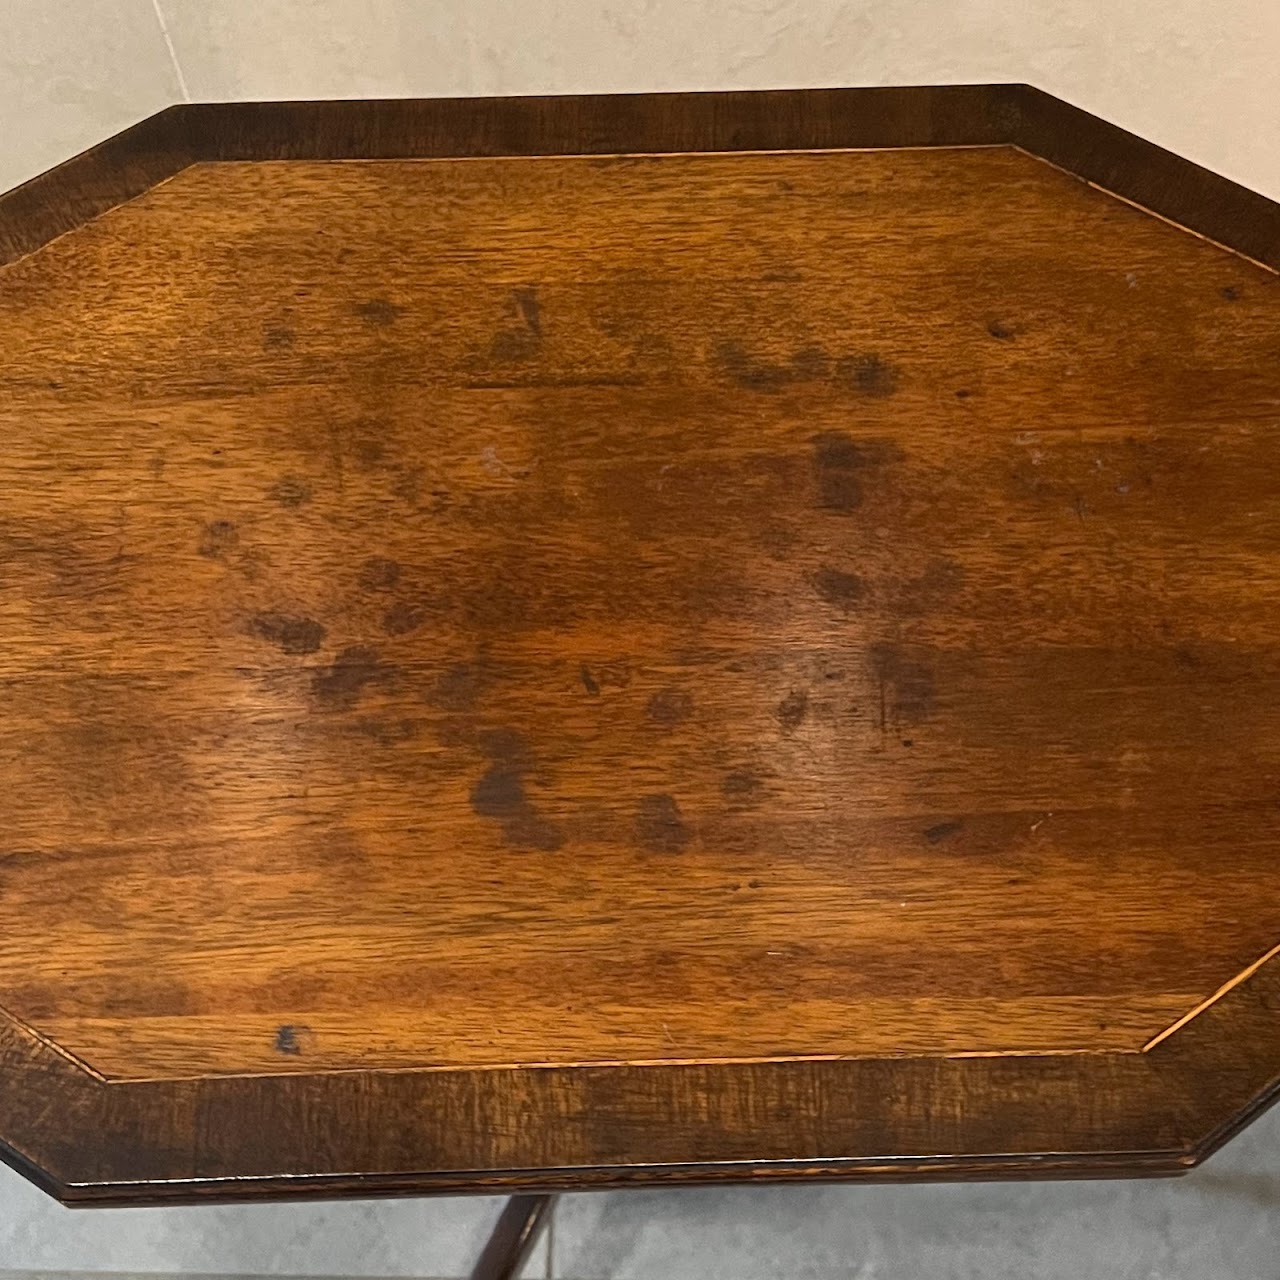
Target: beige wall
{"x":73,"y":72}
{"x":1199,"y":76}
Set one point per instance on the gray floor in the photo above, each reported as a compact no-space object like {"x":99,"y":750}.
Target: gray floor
{"x":1217,"y":1224}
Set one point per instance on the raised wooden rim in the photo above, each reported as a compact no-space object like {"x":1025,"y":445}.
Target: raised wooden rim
{"x":770,"y":120}
{"x":1155,"y":1111}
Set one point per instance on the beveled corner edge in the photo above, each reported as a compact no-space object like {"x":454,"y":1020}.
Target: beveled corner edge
{"x":88,"y":185}
{"x":1102,"y":154}
{"x":1222,"y":1066}
{"x":89,"y":1141}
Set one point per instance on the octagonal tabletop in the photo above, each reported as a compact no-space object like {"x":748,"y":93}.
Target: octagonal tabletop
{"x":575,"y":641}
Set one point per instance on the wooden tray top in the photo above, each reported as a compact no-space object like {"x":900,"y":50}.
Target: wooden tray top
{"x":558,"y":642}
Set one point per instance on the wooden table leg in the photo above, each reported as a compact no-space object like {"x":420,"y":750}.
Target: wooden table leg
{"x":513,"y":1238}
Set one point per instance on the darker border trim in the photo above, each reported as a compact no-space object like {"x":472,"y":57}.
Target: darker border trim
{"x":766,"y":120}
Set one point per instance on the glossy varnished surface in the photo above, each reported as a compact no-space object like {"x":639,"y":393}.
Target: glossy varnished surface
{"x":565,"y":610}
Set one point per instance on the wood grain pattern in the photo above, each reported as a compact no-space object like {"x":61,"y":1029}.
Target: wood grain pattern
{"x":780,"y":641}
{"x":410,"y":617}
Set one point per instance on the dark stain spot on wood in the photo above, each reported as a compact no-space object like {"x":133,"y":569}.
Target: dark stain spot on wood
{"x":1231,"y":293}
{"x":668,"y":707}
{"x":839,"y":589}
{"x":793,"y":709}
{"x":868,"y":374}
{"x":782,"y":275}
{"x":219,"y":538}
{"x":379,"y":312}
{"x":290,"y":491}
{"x":388,"y":733}
{"x":379,"y":574}
{"x":998,"y":329}
{"x":294,"y":636}
{"x":278,"y":338}
{"x":755,"y":884}
{"x":809,"y":364}
{"x":750,"y":373}
{"x":530,"y":309}
{"x":742,"y":787}
{"x":941,"y":579}
{"x":605,"y":675}
{"x":458,"y":688}
{"x":940,"y":832}
{"x":904,"y":686}
{"x":963,"y":393}
{"x":777,"y":540}
{"x":511,"y":345}
{"x":369,"y":454}
{"x":402,"y":618}
{"x":340,"y":685}
{"x":838,"y":464}
{"x":289,"y":1039}
{"x":660,"y":828}
{"x":514,"y":344}
{"x":500,"y":793}
{"x":408,"y":485}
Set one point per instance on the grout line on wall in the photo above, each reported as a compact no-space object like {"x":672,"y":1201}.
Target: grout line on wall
{"x":173,"y":53}
{"x":551,"y":1241}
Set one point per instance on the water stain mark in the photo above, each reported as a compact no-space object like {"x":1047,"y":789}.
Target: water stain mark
{"x":402,"y":618}
{"x":869,"y":374}
{"x":501,"y":794}
{"x":290,"y":491}
{"x":408,"y":484}
{"x":530,"y":309}
{"x":388,"y":733}
{"x":1001,"y":331}
{"x":837,"y":588}
{"x":604,"y":675}
{"x":458,"y":688}
{"x":669,"y":707}
{"x":754,"y":374}
{"x":294,"y":636}
{"x":842,"y":466}
{"x":793,"y":709}
{"x":379,"y":574}
{"x":941,"y":579}
{"x":219,"y":538}
{"x":659,"y":826}
{"x":369,"y":454}
{"x":742,"y":787}
{"x":512,"y":345}
{"x":278,"y":338}
{"x":291,"y":1039}
{"x":379,"y":313}
{"x":904,"y":685}
{"x":942,"y":831}
{"x":866,"y":373}
{"x":340,"y":685}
